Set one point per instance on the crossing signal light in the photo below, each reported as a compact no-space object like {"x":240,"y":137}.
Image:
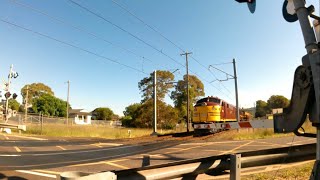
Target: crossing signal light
{"x":289,"y":12}
{"x":251,"y":4}
{"x":14,"y":96}
{"x":7,"y":95}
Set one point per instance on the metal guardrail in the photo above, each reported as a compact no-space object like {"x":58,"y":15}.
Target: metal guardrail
{"x":13,"y":126}
{"x":217,"y":164}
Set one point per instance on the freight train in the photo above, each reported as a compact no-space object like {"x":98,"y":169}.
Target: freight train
{"x":211,"y":110}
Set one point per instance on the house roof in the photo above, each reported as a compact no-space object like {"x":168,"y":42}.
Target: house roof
{"x":79,"y":111}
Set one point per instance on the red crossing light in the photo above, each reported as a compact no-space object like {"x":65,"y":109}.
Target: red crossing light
{"x":7,"y":95}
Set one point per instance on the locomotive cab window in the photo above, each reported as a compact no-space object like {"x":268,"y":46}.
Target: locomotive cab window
{"x":202,"y":100}
{"x":215,"y":100}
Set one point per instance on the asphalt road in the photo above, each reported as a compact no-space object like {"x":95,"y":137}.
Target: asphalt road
{"x":23,"y":157}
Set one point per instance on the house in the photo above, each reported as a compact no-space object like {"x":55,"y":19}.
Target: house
{"x":80,"y":116}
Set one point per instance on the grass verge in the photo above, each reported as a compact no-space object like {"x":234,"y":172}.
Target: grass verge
{"x":102,"y":131}
{"x":301,"y":172}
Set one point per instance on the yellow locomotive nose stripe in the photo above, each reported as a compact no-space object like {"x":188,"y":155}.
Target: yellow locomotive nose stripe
{"x":207,"y":114}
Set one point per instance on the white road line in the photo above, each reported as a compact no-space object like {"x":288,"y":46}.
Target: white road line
{"x":61,"y":147}
{"x":173,"y":148}
{"x":232,"y":150}
{"x":9,"y":155}
{"x":117,"y":165}
{"x":17,"y":149}
{"x":27,"y":137}
{"x":84,"y":160}
{"x":97,"y":145}
{"x":105,"y":144}
{"x":110,"y":144}
{"x":37,"y":173}
{"x":76,"y":152}
{"x":6,"y":137}
{"x":191,"y":144}
{"x":208,"y":143}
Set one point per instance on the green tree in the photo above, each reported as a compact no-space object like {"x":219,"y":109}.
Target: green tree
{"x":22,"y":108}
{"x":103,"y":113}
{"x":278,"y":101}
{"x":141,"y":115}
{"x":167,"y":116}
{"x":179,"y":95}
{"x":164,"y":79}
{"x":261,"y":108}
{"x":35,"y":91}
{"x":132,"y":110}
{"x":130,"y":114}
{"x":13,"y":104}
{"x":49,"y":105}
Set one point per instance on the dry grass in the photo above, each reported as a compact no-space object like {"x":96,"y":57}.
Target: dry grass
{"x":246,"y":134}
{"x":301,"y":172}
{"x":102,"y":131}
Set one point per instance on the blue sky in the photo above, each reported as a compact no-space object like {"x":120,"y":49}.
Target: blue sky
{"x":266,"y":47}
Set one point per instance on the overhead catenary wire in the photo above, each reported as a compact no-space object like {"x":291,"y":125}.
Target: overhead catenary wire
{"x":213,"y":86}
{"x":124,"y":30}
{"x":136,"y":37}
{"x":83,"y":30}
{"x":71,"y":45}
{"x":170,"y":41}
{"x":146,"y":24}
{"x":216,"y":78}
{"x":221,"y":63}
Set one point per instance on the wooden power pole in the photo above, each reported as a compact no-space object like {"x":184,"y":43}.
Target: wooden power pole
{"x":188,"y":100}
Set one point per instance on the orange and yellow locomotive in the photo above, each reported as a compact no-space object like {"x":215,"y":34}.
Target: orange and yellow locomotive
{"x":214,"y":110}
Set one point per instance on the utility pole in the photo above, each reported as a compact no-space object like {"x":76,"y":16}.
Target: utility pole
{"x":154,"y":123}
{"x":68,"y":103}
{"x":234,"y":76}
{"x":26,"y":105}
{"x":8,"y":90}
{"x":236,"y":88}
{"x":188,"y":101}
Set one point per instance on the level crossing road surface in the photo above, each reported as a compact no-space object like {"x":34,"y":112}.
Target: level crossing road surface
{"x":29,"y":157}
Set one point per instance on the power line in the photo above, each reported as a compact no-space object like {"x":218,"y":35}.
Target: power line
{"x":122,"y":29}
{"x":221,"y":63}
{"x":216,"y":78}
{"x":71,"y":45}
{"x":146,"y":24}
{"x":81,"y":30}
{"x":212,"y":85}
{"x":152,"y":28}
{"x":136,"y":37}
{"x":98,"y":37}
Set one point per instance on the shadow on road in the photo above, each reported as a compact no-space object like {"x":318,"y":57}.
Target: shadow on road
{"x":2,"y":176}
